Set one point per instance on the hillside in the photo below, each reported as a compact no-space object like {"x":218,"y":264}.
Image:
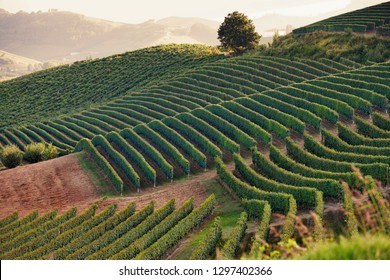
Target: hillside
{"x":12,"y":65}
{"x":373,"y":19}
{"x":67,"y":37}
{"x":72,"y":88}
{"x":282,"y":147}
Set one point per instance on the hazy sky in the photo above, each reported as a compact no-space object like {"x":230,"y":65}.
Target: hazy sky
{"x":131,"y":11}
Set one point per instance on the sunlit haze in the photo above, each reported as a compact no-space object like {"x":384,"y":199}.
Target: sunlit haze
{"x":130,"y":11}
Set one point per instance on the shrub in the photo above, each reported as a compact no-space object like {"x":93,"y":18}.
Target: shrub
{"x":50,"y":152}
{"x":34,"y":152}
{"x":11,"y":156}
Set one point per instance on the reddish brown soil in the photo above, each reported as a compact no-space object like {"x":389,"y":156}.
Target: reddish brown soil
{"x":62,"y":183}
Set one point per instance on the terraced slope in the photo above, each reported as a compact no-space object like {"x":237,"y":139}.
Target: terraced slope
{"x":371,"y":19}
{"x":211,"y":84}
{"x":127,"y":234}
{"x":72,"y":88}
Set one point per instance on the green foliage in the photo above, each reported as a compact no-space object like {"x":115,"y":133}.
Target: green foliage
{"x":237,"y":33}
{"x":110,"y":236}
{"x":257,"y":118}
{"x":72,"y":88}
{"x":369,"y":130}
{"x":91,"y":150}
{"x":304,"y":195}
{"x":65,"y":237}
{"x":149,"y":150}
{"x":224,"y":126}
{"x":363,"y":247}
{"x":164,"y":145}
{"x":137,"y":232}
{"x":278,"y":201}
{"x":153,"y":235}
{"x":232,"y":244}
{"x":179,"y":141}
{"x":332,"y":141}
{"x":353,"y":138}
{"x":293,"y":111}
{"x":9,"y":219}
{"x":11,"y":156}
{"x":209,"y":244}
{"x":95,"y":232}
{"x":242,"y":123}
{"x":179,"y":231}
{"x":36,"y":152}
{"x":210,"y":132}
{"x":377,"y":170}
{"x":381,"y":121}
{"x":132,"y":153}
{"x":289,"y":164}
{"x":26,"y":250}
{"x":192,"y":134}
{"x":272,"y":113}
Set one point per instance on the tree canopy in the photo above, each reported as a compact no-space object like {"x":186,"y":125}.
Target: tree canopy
{"x":237,"y":33}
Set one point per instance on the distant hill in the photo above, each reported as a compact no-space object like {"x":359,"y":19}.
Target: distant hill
{"x":66,"y":36}
{"x":12,"y":65}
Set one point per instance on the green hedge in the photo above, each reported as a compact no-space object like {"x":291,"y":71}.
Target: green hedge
{"x":353,"y":138}
{"x":377,"y":170}
{"x":292,"y":110}
{"x":149,"y":150}
{"x":261,"y":210}
{"x":110,"y":236}
{"x":369,"y":130}
{"x":278,"y":201}
{"x":94,"y":233}
{"x":210,"y":132}
{"x":190,"y":133}
{"x":232,"y":244}
{"x":119,"y":159}
{"x":132,"y":153}
{"x":66,"y":237}
{"x":318,"y":109}
{"x":334,"y":104}
{"x":129,"y":237}
{"x":18,"y":223}
{"x":27,"y":250}
{"x":90,"y":149}
{"x":9,"y":219}
{"x":381,"y":121}
{"x":317,"y":148}
{"x":24,"y":228}
{"x":224,"y":126}
{"x":157,"y":232}
{"x":242,"y":123}
{"x":18,"y":242}
{"x":78,"y":129}
{"x":266,"y":123}
{"x":304,"y":196}
{"x":270,"y":112}
{"x":163,"y":145}
{"x":352,"y":100}
{"x":179,"y":141}
{"x":179,"y":231}
{"x":209,"y":243}
{"x":332,"y":141}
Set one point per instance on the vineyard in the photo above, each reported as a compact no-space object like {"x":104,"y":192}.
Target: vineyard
{"x":372,"y":19}
{"x":284,"y":137}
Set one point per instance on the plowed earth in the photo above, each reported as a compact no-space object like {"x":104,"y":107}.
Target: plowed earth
{"x":62,"y":183}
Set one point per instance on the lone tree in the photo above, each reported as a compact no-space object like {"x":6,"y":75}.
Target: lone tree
{"x":237,"y":33}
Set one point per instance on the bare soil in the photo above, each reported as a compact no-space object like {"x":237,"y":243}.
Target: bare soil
{"x":62,"y":183}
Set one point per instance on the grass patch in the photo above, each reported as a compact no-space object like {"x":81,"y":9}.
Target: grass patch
{"x":227,"y":209}
{"x":98,"y":180}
